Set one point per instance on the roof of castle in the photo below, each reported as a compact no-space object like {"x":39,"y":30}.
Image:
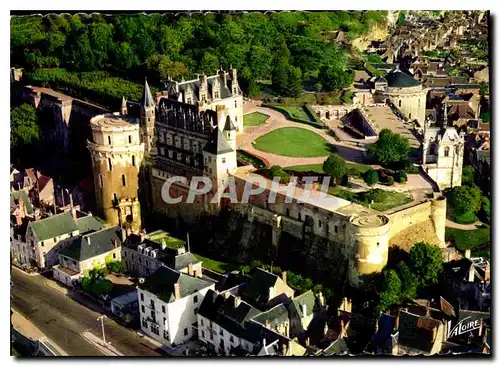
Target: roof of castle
{"x":398,"y":79}
{"x":147,"y":97}
{"x":217,"y":143}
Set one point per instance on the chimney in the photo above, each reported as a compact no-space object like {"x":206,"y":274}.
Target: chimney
{"x":223,"y":76}
{"x":428,"y":308}
{"x":342,"y":328}
{"x":283,"y":276}
{"x":116,"y":243}
{"x":237,"y":301}
{"x":190,"y":269}
{"x":227,"y":294}
{"x":19,"y":220}
{"x":467,"y":253}
{"x":163,"y":244}
{"x":143,"y":235}
{"x":396,"y":323}
{"x":487,"y":272}
{"x":472,"y":272}
{"x":177,"y":291}
{"x":321,"y":299}
{"x":268,"y":324}
{"x":73,"y":212}
{"x":88,"y":239}
{"x":304,"y":309}
{"x":124,"y":235}
{"x":128,"y":231}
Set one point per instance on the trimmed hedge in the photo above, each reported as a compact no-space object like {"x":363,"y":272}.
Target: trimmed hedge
{"x":291,"y":118}
{"x":312,"y":114}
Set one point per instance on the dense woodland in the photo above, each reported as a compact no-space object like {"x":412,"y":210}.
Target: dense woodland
{"x":288,"y":48}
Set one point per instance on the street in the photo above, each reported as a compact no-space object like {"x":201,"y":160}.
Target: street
{"x":63,"y":320}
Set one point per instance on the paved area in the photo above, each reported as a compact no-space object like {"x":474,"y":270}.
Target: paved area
{"x":350,"y":152}
{"x":25,"y":327}
{"x":63,"y":319}
{"x":455,"y":225}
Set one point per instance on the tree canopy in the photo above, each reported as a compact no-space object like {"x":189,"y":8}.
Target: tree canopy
{"x":24,"y":128}
{"x":335,"y":166}
{"x":389,"y":291}
{"x":370,"y":177}
{"x":390,"y":148}
{"x":464,"y":199}
{"x":426,"y":262}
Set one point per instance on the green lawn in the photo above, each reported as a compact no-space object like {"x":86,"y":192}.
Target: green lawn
{"x":293,"y":141}
{"x":479,"y":240}
{"x":382,"y":200}
{"x":254,"y":119}
{"x":214,"y":265}
{"x":355,"y":169}
{"x":468,"y":218}
{"x":163,"y":237}
{"x":297,"y":112}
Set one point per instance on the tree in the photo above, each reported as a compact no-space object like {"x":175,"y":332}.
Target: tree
{"x":464,"y":200}
{"x":486,"y":208}
{"x":390,"y":148}
{"x":102,"y":287}
{"x":287,"y":80}
{"x":370,"y":177}
{"x":209,"y":63}
{"x":389,"y":292}
{"x":335,"y":167}
{"x":24,"y":128}
{"x":468,"y":175}
{"x":426,"y":262}
{"x":116,"y":266}
{"x":408,"y":281}
{"x":334,"y":78}
{"x":277,"y":171}
{"x":162,"y":67}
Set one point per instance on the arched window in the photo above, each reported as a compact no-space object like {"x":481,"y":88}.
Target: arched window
{"x":133,"y":160}
{"x":109,"y":140}
{"x":446,"y":152}
{"x":123,"y":180}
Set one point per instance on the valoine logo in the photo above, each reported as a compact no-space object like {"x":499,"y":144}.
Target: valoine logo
{"x":465,"y":326}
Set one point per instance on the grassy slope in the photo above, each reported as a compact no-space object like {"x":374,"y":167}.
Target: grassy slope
{"x":382,"y":200}
{"x":254,"y":119}
{"x":295,"y":142}
{"x":477,"y":240}
{"x":214,"y":265}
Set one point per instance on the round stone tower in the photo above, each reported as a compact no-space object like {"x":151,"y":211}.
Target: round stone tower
{"x":370,"y":237}
{"x":117,"y":152}
{"x":438,"y":216}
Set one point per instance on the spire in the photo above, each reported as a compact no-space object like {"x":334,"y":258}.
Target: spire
{"x":147,"y":97}
{"x":124,"y":102}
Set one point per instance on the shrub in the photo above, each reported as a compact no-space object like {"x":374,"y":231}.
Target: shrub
{"x":390,"y":180}
{"x":401,"y":176}
{"x":335,"y":167}
{"x":277,"y":171}
{"x":370,"y":177}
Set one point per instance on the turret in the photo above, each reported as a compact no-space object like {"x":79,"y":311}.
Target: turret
{"x":148,"y":111}
{"x":123,"y":109}
{"x":234,"y":81}
{"x":230,"y":132}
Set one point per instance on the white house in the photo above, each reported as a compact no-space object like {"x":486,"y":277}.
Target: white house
{"x":168,"y":304}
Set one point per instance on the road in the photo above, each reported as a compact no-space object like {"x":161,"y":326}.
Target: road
{"x":62,"y":319}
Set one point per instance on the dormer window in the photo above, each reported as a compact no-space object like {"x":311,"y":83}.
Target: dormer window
{"x":216,"y":95}
{"x":189,"y":101}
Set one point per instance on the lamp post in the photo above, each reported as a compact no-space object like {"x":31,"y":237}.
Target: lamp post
{"x":101,"y":318}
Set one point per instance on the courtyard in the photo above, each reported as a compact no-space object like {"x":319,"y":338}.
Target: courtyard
{"x":254,"y":119}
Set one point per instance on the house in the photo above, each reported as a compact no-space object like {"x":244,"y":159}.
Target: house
{"x":169,"y":302}
{"x":126,"y":306}
{"x":265,"y":289}
{"x":43,"y":237}
{"x":20,"y":207}
{"x":301,"y":310}
{"x":84,"y":252}
{"x":222,"y":322}
{"x":276,"y":319}
{"x":144,"y":254}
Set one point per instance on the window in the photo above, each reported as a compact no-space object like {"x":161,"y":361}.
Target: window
{"x":124,"y":183}
{"x":185,"y":331}
{"x":164,"y":320}
{"x":133,"y":160}
{"x":235,"y":104}
{"x":100,"y":181}
{"x":300,"y":216}
{"x":142,"y":297}
{"x":189,"y":101}
{"x":115,"y":197}
{"x":195,"y":299}
{"x":418,"y":103}
{"x":223,"y":160}
{"x":216,"y":95}
{"x":409,"y":116}
{"x":165,"y":335}
{"x":152,"y":304}
{"x":144,"y":323}
{"x":140,"y":260}
{"x":110,"y":166}
{"x":195,"y":311}
{"x":231,"y":339}
{"x":202,"y":322}
{"x":336,"y":229}
{"x":143,"y":309}
{"x":399,"y":103}
{"x":221,"y":332}
{"x":153,"y":314}
{"x":319,"y":223}
{"x":163,"y":309}
{"x":202,"y":334}
{"x":41,"y":243}
{"x":129,"y":139}
{"x":114,"y":255}
{"x":109,"y":140}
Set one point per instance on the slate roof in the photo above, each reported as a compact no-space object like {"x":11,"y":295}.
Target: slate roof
{"x":16,"y":195}
{"x":229,"y":126}
{"x":416,"y":331}
{"x":179,"y":262}
{"x":87,"y":224}
{"x":399,"y":79}
{"x":217,"y":143}
{"x":161,"y":283}
{"x":147,"y":98}
{"x":338,"y":347}
{"x":258,"y":287}
{"x":307,"y":299}
{"x":92,"y":244}
{"x":275,"y":316}
{"x":53,"y":226}
{"x":222,"y":311}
